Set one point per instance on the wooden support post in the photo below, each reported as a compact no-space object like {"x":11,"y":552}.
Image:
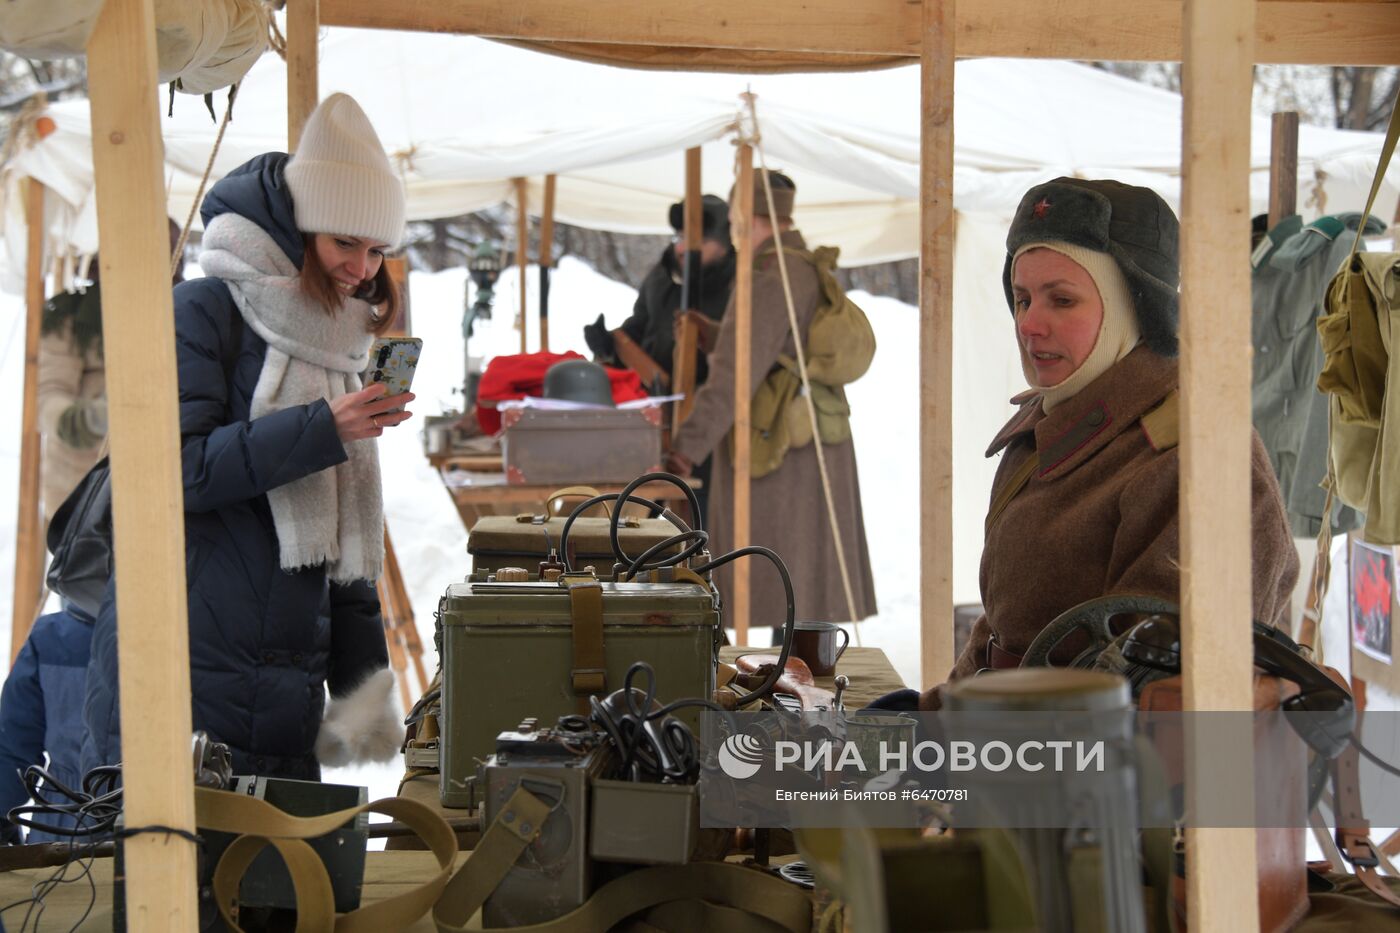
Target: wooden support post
{"x":1216,"y":574}
{"x":1283,"y":167}
{"x":743,"y":387}
{"x":138,"y":337}
{"x":522,"y":248}
{"x":546,"y":257}
{"x":684,"y":362}
{"x":29,"y":545}
{"x":936,"y":347}
{"x":303,"y":80}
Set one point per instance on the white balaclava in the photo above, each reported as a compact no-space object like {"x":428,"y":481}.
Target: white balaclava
{"x":1118,"y":334}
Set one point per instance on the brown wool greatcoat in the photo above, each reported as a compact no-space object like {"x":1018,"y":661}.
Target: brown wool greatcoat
{"x":788,"y":511}
{"x":1099,"y":514}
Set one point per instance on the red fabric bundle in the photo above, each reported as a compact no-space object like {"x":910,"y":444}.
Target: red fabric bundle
{"x":522,"y":374}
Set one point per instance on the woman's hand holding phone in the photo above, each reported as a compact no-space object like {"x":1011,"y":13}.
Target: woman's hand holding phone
{"x":368,"y":412}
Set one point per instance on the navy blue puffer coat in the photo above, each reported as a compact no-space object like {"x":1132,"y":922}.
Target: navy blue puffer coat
{"x":264,"y":642}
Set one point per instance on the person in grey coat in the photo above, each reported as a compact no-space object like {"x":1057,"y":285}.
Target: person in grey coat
{"x":789,"y":512}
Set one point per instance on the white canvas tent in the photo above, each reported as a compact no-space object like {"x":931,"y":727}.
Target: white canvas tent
{"x":463,"y":116}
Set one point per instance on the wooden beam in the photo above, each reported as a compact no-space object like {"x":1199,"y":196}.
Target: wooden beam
{"x":522,"y":249}
{"x":303,"y":66}
{"x":936,"y":347}
{"x":29,"y":546}
{"x":743,"y":386}
{"x":138,"y":338}
{"x":1283,"y":167}
{"x":1306,"y":32}
{"x":1216,"y":574}
{"x":546,"y":256}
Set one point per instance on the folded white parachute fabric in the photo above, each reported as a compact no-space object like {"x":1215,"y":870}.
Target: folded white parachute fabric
{"x":207,"y":44}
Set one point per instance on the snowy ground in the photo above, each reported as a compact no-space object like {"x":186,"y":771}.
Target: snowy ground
{"x":429,"y":537}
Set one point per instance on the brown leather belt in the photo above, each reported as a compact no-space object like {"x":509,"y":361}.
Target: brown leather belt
{"x":1000,"y":659}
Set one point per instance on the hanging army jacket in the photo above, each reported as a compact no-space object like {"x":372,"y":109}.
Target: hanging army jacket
{"x":1291,"y":269}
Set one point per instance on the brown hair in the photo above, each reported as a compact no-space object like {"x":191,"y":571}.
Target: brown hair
{"x":380,"y":291}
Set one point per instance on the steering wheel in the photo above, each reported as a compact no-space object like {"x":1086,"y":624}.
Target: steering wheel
{"x":1092,"y":616}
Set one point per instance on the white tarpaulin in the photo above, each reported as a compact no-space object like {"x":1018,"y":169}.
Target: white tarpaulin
{"x":462,"y":116}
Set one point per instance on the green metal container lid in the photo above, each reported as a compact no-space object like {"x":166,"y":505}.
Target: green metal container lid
{"x":1039,"y":689}
{"x":539,"y":601}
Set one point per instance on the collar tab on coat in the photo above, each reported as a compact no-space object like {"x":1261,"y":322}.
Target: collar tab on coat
{"x":1085,"y":424}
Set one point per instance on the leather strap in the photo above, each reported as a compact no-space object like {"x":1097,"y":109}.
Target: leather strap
{"x":1353,"y":829}
{"x":1012,"y":489}
{"x":589,"y":673}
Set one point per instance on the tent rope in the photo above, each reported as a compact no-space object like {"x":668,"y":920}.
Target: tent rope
{"x":756,"y":140}
{"x":179,"y":250}
{"x":275,"y":40}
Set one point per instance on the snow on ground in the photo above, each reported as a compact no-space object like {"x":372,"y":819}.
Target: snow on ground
{"x":428,"y":535}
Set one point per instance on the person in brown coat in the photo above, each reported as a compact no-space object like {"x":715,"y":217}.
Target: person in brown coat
{"x":788,"y":513}
{"x":1085,"y":499}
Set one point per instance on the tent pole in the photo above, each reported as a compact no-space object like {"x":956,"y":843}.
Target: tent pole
{"x":303,"y":90}
{"x":29,"y":547}
{"x":522,"y":248}
{"x":1217,"y":650}
{"x":546,"y":257}
{"x":1283,"y":167}
{"x":743,"y":387}
{"x":138,"y":338}
{"x":936,"y":346}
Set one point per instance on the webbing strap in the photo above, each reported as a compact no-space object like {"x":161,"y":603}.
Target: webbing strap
{"x":515,"y":827}
{"x":759,"y":900}
{"x":258,"y":824}
{"x":589,"y":674}
{"x":1392,"y":133}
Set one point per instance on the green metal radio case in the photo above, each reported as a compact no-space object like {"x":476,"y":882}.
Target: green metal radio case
{"x":517,"y":650}
{"x":524,"y":540}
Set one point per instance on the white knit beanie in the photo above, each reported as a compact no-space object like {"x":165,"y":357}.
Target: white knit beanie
{"x":340,"y":178}
{"x":1118,"y":334}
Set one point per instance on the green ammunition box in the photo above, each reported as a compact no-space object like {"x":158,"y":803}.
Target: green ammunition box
{"x":643,"y":824}
{"x":511,"y":651}
{"x":553,"y":875}
{"x":497,"y":541}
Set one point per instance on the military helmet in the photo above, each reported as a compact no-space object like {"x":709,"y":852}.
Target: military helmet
{"x":578,"y":381}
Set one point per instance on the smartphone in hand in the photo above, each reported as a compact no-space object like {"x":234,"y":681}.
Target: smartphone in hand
{"x":393,"y":361}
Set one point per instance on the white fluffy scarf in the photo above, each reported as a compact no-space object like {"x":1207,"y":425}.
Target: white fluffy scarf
{"x":335,"y":516}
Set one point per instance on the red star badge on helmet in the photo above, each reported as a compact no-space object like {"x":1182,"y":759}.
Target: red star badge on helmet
{"x":1042,"y":207}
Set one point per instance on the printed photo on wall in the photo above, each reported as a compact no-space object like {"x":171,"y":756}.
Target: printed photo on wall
{"x":1373,"y":582}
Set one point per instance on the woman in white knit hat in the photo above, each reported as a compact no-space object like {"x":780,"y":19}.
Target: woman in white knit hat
{"x":283,"y":513}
